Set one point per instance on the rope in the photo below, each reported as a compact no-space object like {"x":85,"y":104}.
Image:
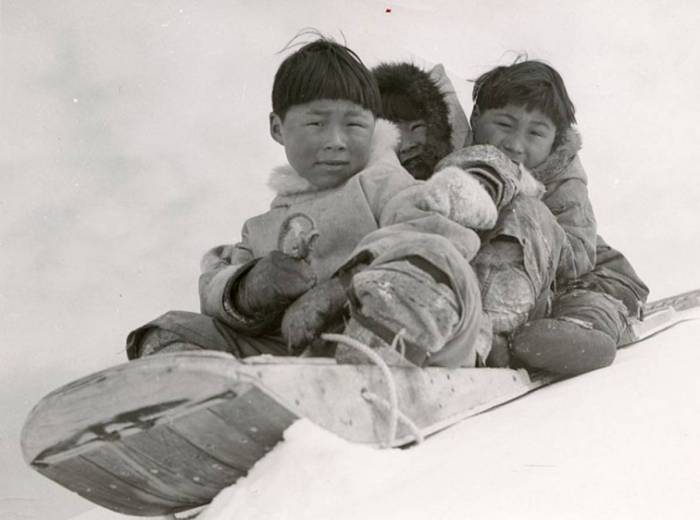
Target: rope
{"x":375,"y":399}
{"x":393,"y":403}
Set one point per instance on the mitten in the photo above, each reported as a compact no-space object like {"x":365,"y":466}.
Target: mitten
{"x":502,"y":177}
{"x":312,"y":314}
{"x":459,"y":196}
{"x":273,"y":283}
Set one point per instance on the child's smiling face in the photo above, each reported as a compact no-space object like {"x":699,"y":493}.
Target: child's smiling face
{"x":526,"y":136}
{"x":326,"y":141}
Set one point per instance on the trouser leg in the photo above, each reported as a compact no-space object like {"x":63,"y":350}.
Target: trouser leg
{"x":181,"y":330}
{"x":515,"y":268}
{"x":430,"y":295}
{"x":594,"y":310}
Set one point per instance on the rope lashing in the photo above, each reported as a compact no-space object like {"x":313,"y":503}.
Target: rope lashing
{"x":392,"y":404}
{"x":384,"y":404}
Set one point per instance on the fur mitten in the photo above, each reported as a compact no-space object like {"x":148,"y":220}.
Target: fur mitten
{"x":502,"y":177}
{"x":458,"y":196}
{"x":273,"y":283}
{"x":312,"y":313}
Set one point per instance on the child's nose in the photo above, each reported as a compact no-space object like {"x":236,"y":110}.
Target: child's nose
{"x":335,"y":138}
{"x":513,"y":146}
{"x":408,"y":144}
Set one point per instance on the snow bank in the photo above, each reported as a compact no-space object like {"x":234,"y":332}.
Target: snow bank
{"x":312,"y":474}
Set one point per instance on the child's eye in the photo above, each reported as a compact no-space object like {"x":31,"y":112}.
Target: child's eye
{"x":357,"y":124}
{"x":503,"y":124}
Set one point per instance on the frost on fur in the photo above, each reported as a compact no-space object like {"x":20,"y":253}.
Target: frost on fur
{"x":461,"y":198}
{"x":386,"y":138}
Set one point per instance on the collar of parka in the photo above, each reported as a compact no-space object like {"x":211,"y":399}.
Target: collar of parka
{"x":559,"y":160}
{"x":284,"y":180}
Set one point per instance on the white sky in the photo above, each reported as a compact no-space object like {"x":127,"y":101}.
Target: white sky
{"x":134,"y":136}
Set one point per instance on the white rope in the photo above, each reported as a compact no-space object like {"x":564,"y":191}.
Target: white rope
{"x":375,"y":399}
{"x":393,"y":403}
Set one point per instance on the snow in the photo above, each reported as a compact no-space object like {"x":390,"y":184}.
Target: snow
{"x":139,"y":138}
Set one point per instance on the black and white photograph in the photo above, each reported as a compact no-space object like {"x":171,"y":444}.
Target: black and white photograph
{"x":277,"y":260}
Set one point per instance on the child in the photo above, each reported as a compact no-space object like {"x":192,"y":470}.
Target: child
{"x":524,"y":110}
{"x":334,"y":233}
{"x":425,"y":108}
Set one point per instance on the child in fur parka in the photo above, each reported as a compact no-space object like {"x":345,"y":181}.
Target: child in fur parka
{"x":525,"y":110}
{"x":542,"y":259}
{"x":339,"y":249}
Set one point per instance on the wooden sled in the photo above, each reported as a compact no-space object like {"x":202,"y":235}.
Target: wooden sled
{"x":168,"y":432}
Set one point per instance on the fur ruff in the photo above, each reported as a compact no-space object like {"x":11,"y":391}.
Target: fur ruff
{"x":284,"y":180}
{"x":559,"y":160}
{"x":406,"y":80}
{"x":461,"y":198}
{"x":529,"y":185}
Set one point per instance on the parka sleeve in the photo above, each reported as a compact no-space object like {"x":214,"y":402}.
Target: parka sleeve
{"x":222,"y":269}
{"x":382,"y":181}
{"x":569,"y":203}
{"x":498,"y":174}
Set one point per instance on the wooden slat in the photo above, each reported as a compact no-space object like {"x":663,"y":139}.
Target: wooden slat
{"x":223,"y":441}
{"x":180,"y":463}
{"x":257,"y":416}
{"x":137,"y":471}
{"x":82,"y":477}
{"x":123,"y":396}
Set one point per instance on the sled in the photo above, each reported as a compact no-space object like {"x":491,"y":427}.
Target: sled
{"x":166,"y":433}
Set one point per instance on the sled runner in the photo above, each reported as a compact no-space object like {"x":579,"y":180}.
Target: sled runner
{"x":166,"y":433}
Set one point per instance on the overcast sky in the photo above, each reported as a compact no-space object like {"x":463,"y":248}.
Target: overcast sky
{"x":134,"y":137}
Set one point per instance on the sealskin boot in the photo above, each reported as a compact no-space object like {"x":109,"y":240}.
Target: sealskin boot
{"x":563,"y":346}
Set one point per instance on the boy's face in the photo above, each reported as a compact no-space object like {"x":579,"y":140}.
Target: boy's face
{"x":326,"y":141}
{"x":414,"y":138}
{"x":526,"y":136}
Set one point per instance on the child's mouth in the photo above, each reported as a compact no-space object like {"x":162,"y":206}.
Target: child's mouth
{"x":333,"y":164}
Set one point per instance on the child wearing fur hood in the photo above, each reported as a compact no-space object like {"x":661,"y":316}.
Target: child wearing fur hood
{"x":351,"y":243}
{"x":542,"y":260}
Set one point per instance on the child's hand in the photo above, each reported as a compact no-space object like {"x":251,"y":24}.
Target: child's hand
{"x":458,"y":196}
{"x":312,"y":314}
{"x":273,"y":283}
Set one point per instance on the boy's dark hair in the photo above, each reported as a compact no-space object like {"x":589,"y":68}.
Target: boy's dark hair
{"x":530,"y":83}
{"x":323,"y":69}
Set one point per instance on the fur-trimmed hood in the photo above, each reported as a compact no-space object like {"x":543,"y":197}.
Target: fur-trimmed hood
{"x":284,"y":180}
{"x":561,"y":157}
{"x":409,"y":93}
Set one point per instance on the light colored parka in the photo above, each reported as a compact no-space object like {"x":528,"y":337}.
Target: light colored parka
{"x":352,"y":222}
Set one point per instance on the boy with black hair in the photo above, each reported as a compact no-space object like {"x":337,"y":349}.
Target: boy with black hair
{"x":525,"y":110}
{"x":337,"y":234}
